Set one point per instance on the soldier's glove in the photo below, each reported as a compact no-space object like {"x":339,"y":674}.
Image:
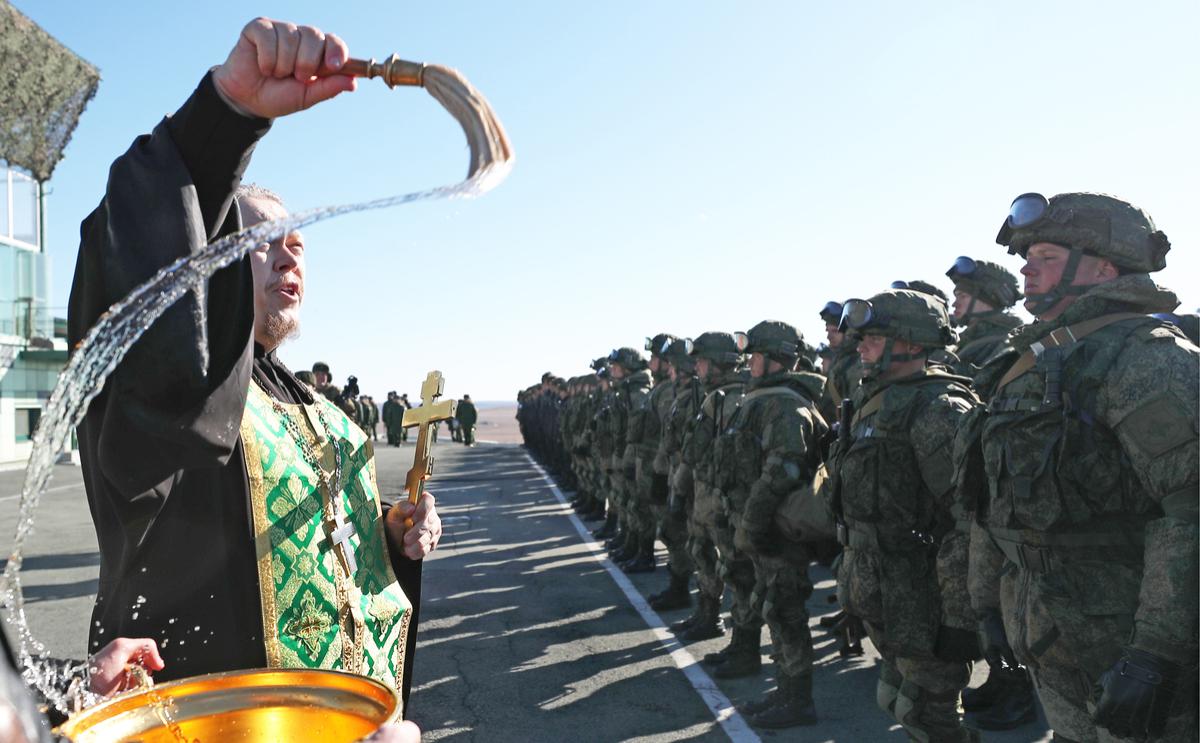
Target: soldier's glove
{"x":659,"y":488}
{"x":995,"y":641}
{"x":957,"y":645}
{"x":1133,"y":698}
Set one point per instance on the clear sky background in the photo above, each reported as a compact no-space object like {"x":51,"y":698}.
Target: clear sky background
{"x":681,"y":166}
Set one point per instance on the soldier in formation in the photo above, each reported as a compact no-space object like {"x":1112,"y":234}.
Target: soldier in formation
{"x":1024,"y":494}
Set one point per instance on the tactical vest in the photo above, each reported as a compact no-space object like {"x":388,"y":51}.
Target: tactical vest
{"x":881,"y":482}
{"x":1050,"y":465}
{"x":738,"y":452}
{"x":319,"y":610}
{"x":716,"y":408}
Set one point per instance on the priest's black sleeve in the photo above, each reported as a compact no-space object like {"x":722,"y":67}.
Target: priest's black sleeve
{"x":175,"y":401}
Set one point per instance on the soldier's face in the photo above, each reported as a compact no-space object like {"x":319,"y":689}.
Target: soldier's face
{"x":617,"y":371}
{"x":870,"y":348}
{"x":962,"y":300}
{"x":832,"y":335}
{"x":1044,"y":267}
{"x":322,"y":378}
{"x":278,"y":269}
{"x":656,"y":364}
{"x":703,"y":368}
{"x":758,"y":365}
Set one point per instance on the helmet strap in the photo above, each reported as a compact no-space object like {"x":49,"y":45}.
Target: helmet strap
{"x":1040,"y":303}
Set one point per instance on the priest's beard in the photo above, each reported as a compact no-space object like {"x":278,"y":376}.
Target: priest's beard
{"x":281,"y":327}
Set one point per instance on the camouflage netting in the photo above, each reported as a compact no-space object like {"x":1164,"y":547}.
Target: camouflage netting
{"x":43,"y":90}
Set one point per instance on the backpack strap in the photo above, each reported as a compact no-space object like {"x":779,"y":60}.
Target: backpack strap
{"x":1065,"y":336}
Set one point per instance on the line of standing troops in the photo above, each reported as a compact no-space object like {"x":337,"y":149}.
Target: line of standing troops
{"x":1024,"y":494}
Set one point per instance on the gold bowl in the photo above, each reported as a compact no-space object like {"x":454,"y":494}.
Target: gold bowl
{"x":254,"y":706}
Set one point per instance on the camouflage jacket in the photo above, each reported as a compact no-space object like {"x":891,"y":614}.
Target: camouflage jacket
{"x":603,"y":428}
{"x":769,"y":448}
{"x":906,"y":567}
{"x":1091,"y":457}
{"x":981,"y":339}
{"x":720,"y":401}
{"x":649,"y":421}
{"x":630,"y":409}
{"x":844,"y":375}
{"x":680,"y":418}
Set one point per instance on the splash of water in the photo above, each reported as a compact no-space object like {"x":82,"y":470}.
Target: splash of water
{"x":110,"y":338}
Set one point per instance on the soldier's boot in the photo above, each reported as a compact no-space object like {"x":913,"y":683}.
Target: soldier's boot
{"x":705,"y":624}
{"x":697,"y":616}
{"x":931,"y":718}
{"x":643,"y":561}
{"x":745,"y":656}
{"x":609,"y":528}
{"x":1013,"y":705}
{"x":674,"y":596}
{"x":719,"y":657}
{"x":765,"y":703}
{"x":597,"y":512}
{"x":792,"y":707}
{"x":830,"y":620}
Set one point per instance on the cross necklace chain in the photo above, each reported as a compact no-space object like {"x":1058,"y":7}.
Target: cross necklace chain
{"x":339,"y":529}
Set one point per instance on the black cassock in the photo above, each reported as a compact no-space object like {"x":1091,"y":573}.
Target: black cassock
{"x":163,"y":462}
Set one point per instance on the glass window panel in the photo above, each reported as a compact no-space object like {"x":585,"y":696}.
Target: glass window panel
{"x":4,"y":231}
{"x":24,"y":208}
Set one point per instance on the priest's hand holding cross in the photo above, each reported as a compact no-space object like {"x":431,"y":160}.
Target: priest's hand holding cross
{"x":414,"y":523}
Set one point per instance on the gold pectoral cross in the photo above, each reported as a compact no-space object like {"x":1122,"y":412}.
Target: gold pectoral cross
{"x":425,"y":416}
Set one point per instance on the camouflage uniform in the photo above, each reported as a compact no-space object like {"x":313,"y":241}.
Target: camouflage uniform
{"x":1006,"y":699}
{"x":706,"y":524}
{"x":769,"y":449}
{"x":645,"y":433}
{"x":672,"y":485}
{"x":628,"y":403}
{"x":904,"y":568}
{"x":1089,"y":449}
{"x":984,"y":331}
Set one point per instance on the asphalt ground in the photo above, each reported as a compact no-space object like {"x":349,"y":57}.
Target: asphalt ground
{"x":527,"y":631}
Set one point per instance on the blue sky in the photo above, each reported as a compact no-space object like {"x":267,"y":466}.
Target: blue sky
{"x":681,"y":167}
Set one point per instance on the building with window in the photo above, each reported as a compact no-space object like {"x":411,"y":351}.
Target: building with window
{"x":44,"y":88}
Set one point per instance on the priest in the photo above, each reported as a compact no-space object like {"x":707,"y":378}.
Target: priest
{"x":237,"y":514}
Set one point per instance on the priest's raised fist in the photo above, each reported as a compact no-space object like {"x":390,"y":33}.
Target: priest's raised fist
{"x":272,"y":70}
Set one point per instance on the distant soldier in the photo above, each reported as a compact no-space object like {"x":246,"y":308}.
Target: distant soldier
{"x":393,"y":415}
{"x":466,"y":419}
{"x":324,"y":382}
{"x":844,"y":371}
{"x":645,"y":432}
{"x":404,"y":405}
{"x":1089,"y":452}
{"x":718,"y":366}
{"x":983,"y":293}
{"x":903,"y":571}
{"x":630,"y":402}
{"x":770,"y":448}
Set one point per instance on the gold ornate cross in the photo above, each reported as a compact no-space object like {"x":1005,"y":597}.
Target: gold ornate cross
{"x":424,"y":417}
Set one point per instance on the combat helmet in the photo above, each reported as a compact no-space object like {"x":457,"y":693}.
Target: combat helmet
{"x":1095,"y":224}
{"x":903,"y":314}
{"x":630,"y":359}
{"x":777,"y":340}
{"x":658,"y":343}
{"x":922,"y":286}
{"x":678,"y":353}
{"x":985,"y":281}
{"x":831,"y":313}
{"x":722,"y":349}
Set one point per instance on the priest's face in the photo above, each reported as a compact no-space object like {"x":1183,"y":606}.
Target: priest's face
{"x":278,"y":277}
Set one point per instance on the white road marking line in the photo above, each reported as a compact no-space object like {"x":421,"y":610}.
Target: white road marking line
{"x":727,"y":716}
{"x":78,"y":485}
